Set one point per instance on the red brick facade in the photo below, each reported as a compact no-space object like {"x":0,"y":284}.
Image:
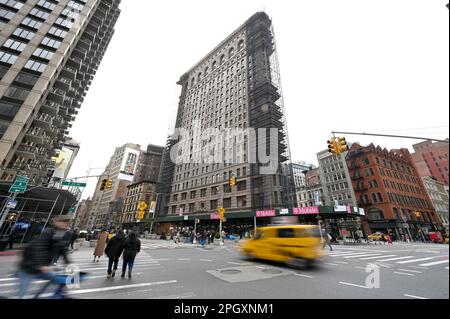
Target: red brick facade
{"x":431,"y":159}
{"x":389,"y":188}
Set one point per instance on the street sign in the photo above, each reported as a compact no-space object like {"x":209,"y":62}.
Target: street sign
{"x":20,"y":185}
{"x":222,"y":213}
{"x":74,"y":184}
{"x":12,"y":203}
{"x":141,"y":214}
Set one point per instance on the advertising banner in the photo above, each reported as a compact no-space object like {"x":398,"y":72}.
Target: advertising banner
{"x":314,"y":210}
{"x":266,"y":213}
{"x":129,"y":165}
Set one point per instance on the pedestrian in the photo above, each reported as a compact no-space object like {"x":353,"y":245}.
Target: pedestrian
{"x":327,"y":240}
{"x":383,"y":238}
{"x":114,"y":250}
{"x":101,"y":244}
{"x":14,"y":234}
{"x":59,"y":251}
{"x":74,"y":237}
{"x":389,"y":240}
{"x":36,"y":262}
{"x":131,"y":247}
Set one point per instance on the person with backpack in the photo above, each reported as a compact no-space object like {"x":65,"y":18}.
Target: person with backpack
{"x":131,"y":247}
{"x":113,"y":251}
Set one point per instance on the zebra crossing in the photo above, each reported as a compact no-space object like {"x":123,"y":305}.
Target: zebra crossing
{"x":438,"y":259}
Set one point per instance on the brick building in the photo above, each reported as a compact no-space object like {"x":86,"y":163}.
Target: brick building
{"x":431,"y":159}
{"x":389,"y":188}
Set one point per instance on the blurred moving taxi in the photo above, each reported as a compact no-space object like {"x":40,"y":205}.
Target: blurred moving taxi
{"x":298,"y":246}
{"x":376,"y":236}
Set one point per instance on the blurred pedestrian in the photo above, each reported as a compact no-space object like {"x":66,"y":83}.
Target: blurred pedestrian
{"x":74,"y":237}
{"x":131,"y":247}
{"x":326,"y":240}
{"x":14,"y":234}
{"x":114,"y":250}
{"x":101,"y":244}
{"x":389,"y":240}
{"x":38,"y":256}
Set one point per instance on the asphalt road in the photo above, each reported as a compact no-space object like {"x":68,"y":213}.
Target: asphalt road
{"x":166,"y":271}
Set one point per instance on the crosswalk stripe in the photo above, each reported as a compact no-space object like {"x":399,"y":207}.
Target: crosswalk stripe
{"x":402,"y":273}
{"x":347,"y":254}
{"x":414,"y":260}
{"x":348,"y":257}
{"x":368,"y":258}
{"x":414,"y":271}
{"x":435,"y":263}
{"x":398,"y":258}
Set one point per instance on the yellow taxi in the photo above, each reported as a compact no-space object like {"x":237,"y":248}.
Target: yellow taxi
{"x":376,"y":236}
{"x":298,"y":246}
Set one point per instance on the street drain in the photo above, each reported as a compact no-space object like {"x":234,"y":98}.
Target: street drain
{"x":272,"y":271}
{"x":231,"y":272}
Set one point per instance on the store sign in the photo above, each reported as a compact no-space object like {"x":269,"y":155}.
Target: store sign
{"x":341,"y":209}
{"x":362,"y":212}
{"x":284,"y":211}
{"x":314,"y":210}
{"x":215,"y":216}
{"x":266,"y":213}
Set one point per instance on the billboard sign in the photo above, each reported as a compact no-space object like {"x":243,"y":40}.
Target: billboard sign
{"x":215,"y":216}
{"x":62,"y":163}
{"x":129,"y":164}
{"x":314,"y":210}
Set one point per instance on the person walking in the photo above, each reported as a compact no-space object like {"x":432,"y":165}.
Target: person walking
{"x":73,"y":238}
{"x":389,"y":240}
{"x":327,"y":240}
{"x":37,"y":258}
{"x":101,"y":244}
{"x":131,"y":247}
{"x":114,"y":250}
{"x":14,"y":234}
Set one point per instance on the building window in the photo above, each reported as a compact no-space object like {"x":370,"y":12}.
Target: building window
{"x":7,"y":58}
{"x":14,"y":45}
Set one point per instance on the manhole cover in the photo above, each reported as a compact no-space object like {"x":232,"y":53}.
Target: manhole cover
{"x":231,"y":272}
{"x":272,"y":271}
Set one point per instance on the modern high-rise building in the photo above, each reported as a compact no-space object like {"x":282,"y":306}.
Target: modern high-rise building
{"x":50,"y":51}
{"x":229,"y":100}
{"x":431,"y":159}
{"x":335,"y":179}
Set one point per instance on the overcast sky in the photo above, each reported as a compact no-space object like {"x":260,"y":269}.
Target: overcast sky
{"x":351,"y":65}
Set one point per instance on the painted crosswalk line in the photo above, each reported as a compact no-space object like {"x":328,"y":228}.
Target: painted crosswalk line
{"x":402,"y":273}
{"x":414,"y":260}
{"x":349,"y":257}
{"x":398,"y":258}
{"x":435,"y":263}
{"x":369,"y":258}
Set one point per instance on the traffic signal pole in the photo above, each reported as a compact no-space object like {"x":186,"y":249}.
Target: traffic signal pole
{"x":395,"y":136}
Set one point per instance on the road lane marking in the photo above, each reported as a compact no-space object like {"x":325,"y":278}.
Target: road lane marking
{"x":208,"y":260}
{"x":348,"y":257}
{"x":398,"y":258}
{"x":354,"y":285}
{"x":331,"y":264}
{"x":435,"y":263}
{"x":341,"y":262}
{"x":414,"y":260}
{"x":87,"y":291}
{"x":184,"y":259}
{"x":403,"y":273}
{"x":368,"y":258}
{"x":306,"y":276}
{"x":414,"y":271}
{"x":349,"y":254}
{"x":260,"y":267}
{"x":233,"y":263}
{"x":416,"y":297}
{"x":359,"y":267}
{"x":140,"y":266}
{"x":424,"y":268}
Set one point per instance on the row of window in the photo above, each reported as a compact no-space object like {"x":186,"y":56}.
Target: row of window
{"x":241,"y":201}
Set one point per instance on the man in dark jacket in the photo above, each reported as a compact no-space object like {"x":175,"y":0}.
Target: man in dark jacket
{"x":113,"y":250}
{"x":75,"y":235}
{"x":38,"y":256}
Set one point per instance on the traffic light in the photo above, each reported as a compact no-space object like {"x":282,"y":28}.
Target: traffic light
{"x":333,"y":146}
{"x":342,"y":145}
{"x":109,"y":184}
{"x":103,"y":185}
{"x":233,"y":181}
{"x":222,"y":214}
